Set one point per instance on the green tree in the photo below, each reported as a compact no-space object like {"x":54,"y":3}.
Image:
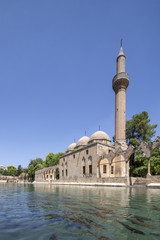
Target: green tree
{"x":139,"y":129}
{"x":1,"y":171}
{"x":19,"y":170}
{"x":4,"y":172}
{"x":33,"y":166}
{"x":139,"y":168}
{"x":12,"y":171}
{"x":52,"y":159}
{"x":155,"y":162}
{"x":25,"y":170}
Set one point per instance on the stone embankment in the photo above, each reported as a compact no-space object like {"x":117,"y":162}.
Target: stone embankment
{"x":11,"y":179}
{"x":117,"y":182}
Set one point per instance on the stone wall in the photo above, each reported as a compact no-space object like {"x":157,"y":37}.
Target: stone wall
{"x":85,"y":164}
{"x":11,"y":179}
{"x":93,"y":180}
{"x":46,"y":174}
{"x":79,"y":161}
{"x":153,"y":179}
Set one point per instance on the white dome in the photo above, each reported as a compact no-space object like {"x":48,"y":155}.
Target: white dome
{"x":100,"y":135}
{"x":82,"y":141}
{"x":71,"y":147}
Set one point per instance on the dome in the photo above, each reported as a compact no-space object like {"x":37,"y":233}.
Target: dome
{"x":100,"y":135}
{"x":82,"y":141}
{"x":71,"y":147}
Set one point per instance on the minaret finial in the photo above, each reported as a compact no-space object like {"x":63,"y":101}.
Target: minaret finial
{"x":121,"y":42}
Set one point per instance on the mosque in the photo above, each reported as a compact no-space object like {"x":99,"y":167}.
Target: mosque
{"x":95,"y":160}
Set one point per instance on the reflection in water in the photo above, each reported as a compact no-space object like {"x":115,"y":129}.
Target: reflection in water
{"x":78,"y":212}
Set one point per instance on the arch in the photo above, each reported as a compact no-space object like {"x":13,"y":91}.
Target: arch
{"x":57,"y":173}
{"x":62,"y":170}
{"x":110,"y":156}
{"x":83,"y":166}
{"x":89,"y":160}
{"x":104,"y":168}
{"x":83,"y":161}
{"x":90,"y":165}
{"x":148,"y":149}
{"x":66,"y":169}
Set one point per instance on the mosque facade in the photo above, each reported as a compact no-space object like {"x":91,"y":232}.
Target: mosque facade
{"x":95,"y":158}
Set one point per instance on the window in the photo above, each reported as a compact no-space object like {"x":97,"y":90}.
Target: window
{"x":112,"y":169}
{"x":62,"y":173}
{"x":90,"y":169}
{"x":86,"y":151}
{"x":73,"y":155}
{"x":47,"y":176}
{"x":109,"y":150}
{"x":104,"y":169}
{"x":51,"y":176}
{"x":66,"y":172}
{"x":63,"y":159}
{"x":84,"y":170}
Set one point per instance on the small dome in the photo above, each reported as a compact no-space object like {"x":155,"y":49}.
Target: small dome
{"x":71,"y":147}
{"x":100,"y":135}
{"x":82,"y":141}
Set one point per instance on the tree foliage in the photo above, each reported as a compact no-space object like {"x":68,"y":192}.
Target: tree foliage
{"x":12,"y":171}
{"x":19,"y":170}
{"x":33,"y":166}
{"x":139,"y":129}
{"x":52,"y":159}
{"x":155,"y":162}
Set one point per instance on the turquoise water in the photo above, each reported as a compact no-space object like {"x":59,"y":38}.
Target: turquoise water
{"x":77,"y":212}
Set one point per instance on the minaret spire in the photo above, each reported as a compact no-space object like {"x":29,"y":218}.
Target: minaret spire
{"x":120,"y":83}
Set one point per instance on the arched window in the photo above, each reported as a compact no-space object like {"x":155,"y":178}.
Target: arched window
{"x":112,"y":170}
{"x":83,"y":166}
{"x":90,"y":165}
{"x":104,"y":168}
{"x":57,"y":173}
{"x":62,"y":170}
{"x":66,"y":169}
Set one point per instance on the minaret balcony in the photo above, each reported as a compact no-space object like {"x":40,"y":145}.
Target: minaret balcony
{"x":120,"y":80}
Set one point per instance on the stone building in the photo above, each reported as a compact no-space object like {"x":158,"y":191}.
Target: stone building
{"x":95,"y":158}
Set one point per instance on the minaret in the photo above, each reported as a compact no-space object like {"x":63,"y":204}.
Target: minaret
{"x":120,"y":83}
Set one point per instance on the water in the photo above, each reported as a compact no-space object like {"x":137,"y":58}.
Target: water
{"x":77,"y":212}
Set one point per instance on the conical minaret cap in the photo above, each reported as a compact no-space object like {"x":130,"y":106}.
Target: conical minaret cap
{"x":121,"y":53}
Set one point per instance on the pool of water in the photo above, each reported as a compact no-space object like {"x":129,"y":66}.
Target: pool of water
{"x":77,"y":212}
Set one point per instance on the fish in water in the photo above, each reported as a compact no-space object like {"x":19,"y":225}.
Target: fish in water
{"x":139,"y":218}
{"x":105,"y":210}
{"x":140,"y":223}
{"x":103,"y":238}
{"x":155,"y":234}
{"x":133,"y":230}
{"x":155,"y":208}
{"x":53,"y":237}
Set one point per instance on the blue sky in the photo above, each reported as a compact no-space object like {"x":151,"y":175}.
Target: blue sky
{"x":57,"y":61}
